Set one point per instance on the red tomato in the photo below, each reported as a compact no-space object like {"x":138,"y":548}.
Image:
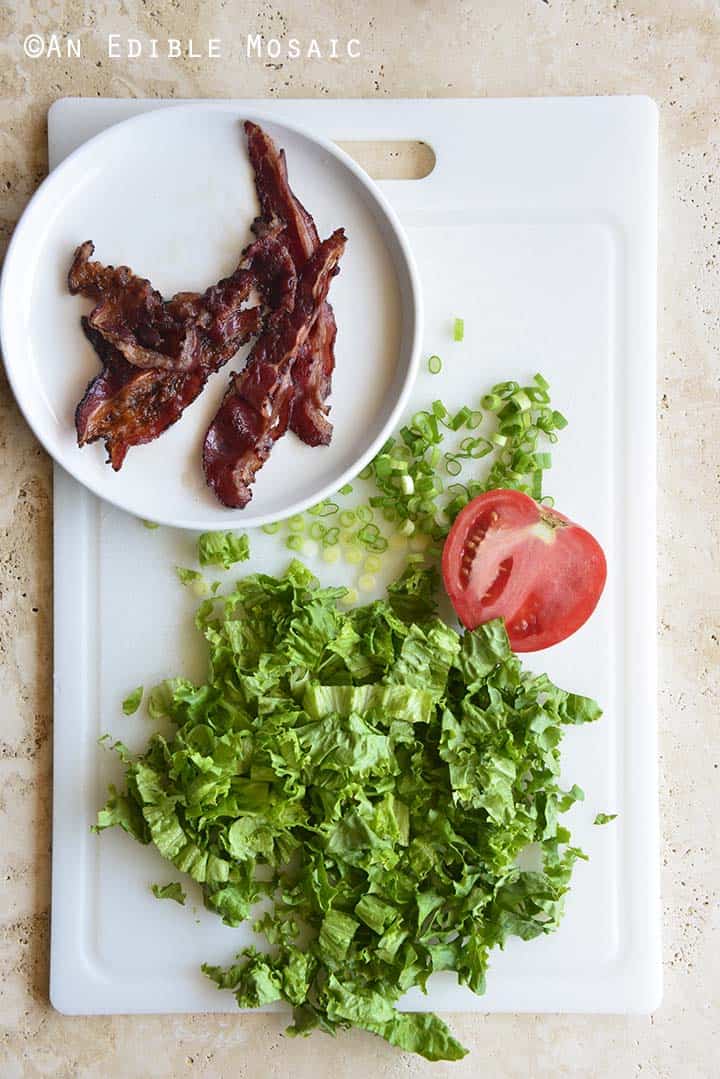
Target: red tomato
{"x":507,"y":557}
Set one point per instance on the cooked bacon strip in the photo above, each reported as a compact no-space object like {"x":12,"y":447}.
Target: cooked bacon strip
{"x":281,"y":208}
{"x":151,"y":333}
{"x":127,"y":405}
{"x":255,"y":411}
{"x":312,"y":376}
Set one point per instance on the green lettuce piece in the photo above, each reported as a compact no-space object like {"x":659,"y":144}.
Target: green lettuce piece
{"x":604,"y":818}
{"x":169,"y":891}
{"x":222,"y":549}
{"x":388,"y":788}
{"x":132,"y":702}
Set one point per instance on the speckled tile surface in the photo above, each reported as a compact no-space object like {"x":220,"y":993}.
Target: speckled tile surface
{"x":669,"y":49}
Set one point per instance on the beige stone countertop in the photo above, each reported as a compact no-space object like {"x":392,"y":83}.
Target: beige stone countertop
{"x":669,"y":49}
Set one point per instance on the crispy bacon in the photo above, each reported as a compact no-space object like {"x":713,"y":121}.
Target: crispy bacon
{"x":149,"y":332}
{"x":129,"y":403}
{"x":255,"y":411}
{"x":282,"y":209}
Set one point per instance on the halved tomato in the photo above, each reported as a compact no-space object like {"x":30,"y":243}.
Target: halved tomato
{"x":508,"y":557}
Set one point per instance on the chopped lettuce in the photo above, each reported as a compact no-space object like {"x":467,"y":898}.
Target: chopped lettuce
{"x":132,"y":702}
{"x":604,"y":818}
{"x":169,"y":891}
{"x":373,"y":776}
{"x":222,"y":549}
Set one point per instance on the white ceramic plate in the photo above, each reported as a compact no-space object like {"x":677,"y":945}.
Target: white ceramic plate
{"x":171,"y":194}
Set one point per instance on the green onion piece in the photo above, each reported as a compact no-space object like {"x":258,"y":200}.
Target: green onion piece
{"x":346,"y":489}
{"x":317,"y":530}
{"x":363,"y":513}
{"x":499,"y":440}
{"x":347,"y":518}
{"x":366,"y":582}
{"x":559,"y":420}
{"x":474,"y":420}
{"x":294,"y":542}
{"x":150,"y":524}
{"x":331,"y":537}
{"x":297,"y":523}
{"x":272,"y":528}
{"x":492,"y":402}
{"x":415,"y":559}
{"x":505,"y":389}
{"x":452,"y":465}
{"x":521,"y":401}
{"x":365,"y":473}
{"x":331,"y":554}
{"x":406,"y":528}
{"x":407,"y":485}
{"x":536,"y":488}
{"x":542,"y":460}
{"x":439,"y":410}
{"x":434,"y":365}
{"x":372,"y":563}
{"x":354,"y":555}
{"x":458,"y":329}
{"x":542,"y":382}
{"x":460,"y":418}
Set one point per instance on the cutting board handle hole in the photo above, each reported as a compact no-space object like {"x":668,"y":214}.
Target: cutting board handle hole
{"x":392,"y":159}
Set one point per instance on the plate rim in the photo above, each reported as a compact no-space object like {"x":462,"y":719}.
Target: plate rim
{"x":411,"y":309}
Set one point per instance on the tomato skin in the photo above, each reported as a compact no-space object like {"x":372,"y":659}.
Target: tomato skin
{"x":507,"y":557}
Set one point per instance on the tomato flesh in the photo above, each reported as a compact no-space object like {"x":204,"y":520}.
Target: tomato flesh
{"x":508,"y":557}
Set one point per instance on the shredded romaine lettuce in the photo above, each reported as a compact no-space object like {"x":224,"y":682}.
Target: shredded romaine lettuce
{"x":373,"y":775}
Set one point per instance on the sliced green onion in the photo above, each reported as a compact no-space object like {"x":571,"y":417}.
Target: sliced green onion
{"x":354,"y":555}
{"x":317,"y":531}
{"x":331,"y":537}
{"x":346,"y":489}
{"x":407,"y":528}
{"x":415,"y":559}
{"x":366,"y":582}
{"x":542,"y":460}
{"x":365,"y":473}
{"x":347,"y":518}
{"x":521,"y":401}
{"x":331,"y":554}
{"x":363,"y":513}
{"x":272,"y":528}
{"x":372,"y":563}
{"x":492,"y":402}
{"x":294,"y":542}
{"x":434,"y":365}
{"x":458,"y":329}
{"x":407,"y":485}
{"x":559,"y":420}
{"x":452,"y":465}
{"x":460,"y":418}
{"x":297,"y":523}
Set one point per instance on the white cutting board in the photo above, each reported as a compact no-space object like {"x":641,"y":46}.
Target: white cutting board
{"x":538,"y":227}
